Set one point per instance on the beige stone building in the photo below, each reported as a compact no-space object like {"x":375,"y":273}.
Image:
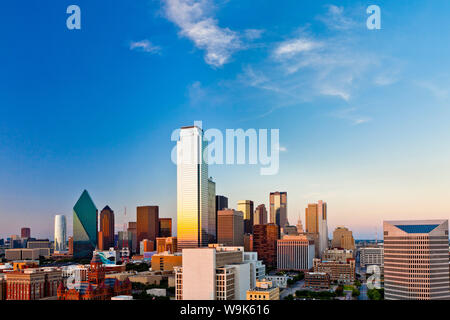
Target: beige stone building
{"x":343,"y":238}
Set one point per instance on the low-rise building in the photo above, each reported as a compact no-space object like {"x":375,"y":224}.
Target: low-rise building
{"x":337,"y":254}
{"x":166,"y":261}
{"x":317,"y":280}
{"x":264,"y":290}
{"x":278,"y":281}
{"x":341,"y":272}
{"x":371,"y":255}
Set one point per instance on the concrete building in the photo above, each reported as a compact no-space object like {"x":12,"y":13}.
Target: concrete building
{"x":278,"y":208}
{"x":26,"y":254}
{"x":340,"y":272}
{"x":317,"y":280}
{"x":295,"y":253}
{"x":343,"y":238}
{"x":416,"y":260}
{"x":278,"y":281}
{"x":264,"y":290}
{"x":165,"y":261}
{"x":257,"y":268}
{"x":169,"y":244}
{"x":246,"y":207}
{"x":230,"y":227}
{"x":371,"y":255}
{"x":335,"y":254}
{"x":213,"y":273}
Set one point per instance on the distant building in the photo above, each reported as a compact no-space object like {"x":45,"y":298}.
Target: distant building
{"x":343,"y":238}
{"x":212,"y":213}
{"x":25,"y":233}
{"x":416,"y":260}
{"x":230,"y":227}
{"x":169,"y":244}
{"x":70,"y":246}
{"x":85,"y":226}
{"x":264,"y":290}
{"x":289,"y":230}
{"x":257,"y":268}
{"x":371,"y":255}
{"x":246,"y":207}
{"x":278,"y":208}
{"x":316,"y":225}
{"x":295,"y":253}
{"x":335,"y":254}
{"x":248,"y":242}
{"x":106,"y":238}
{"x":165,"y":227}
{"x":147,"y":246}
{"x":60,"y":233}
{"x":38,"y":244}
{"x":132,"y":235}
{"x":265,"y":238}
{"x":260,"y":216}
{"x":147,"y":223}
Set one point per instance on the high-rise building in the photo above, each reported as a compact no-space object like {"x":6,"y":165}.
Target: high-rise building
{"x":246,"y":207}
{"x":147,"y":223}
{"x":60,"y":232}
{"x":416,"y":260}
{"x":343,"y":238}
{"x":212,"y":214}
{"x":221,"y":203}
{"x":85,"y":226}
{"x":371,"y":255}
{"x":165,"y":227}
{"x":295,"y":253}
{"x":132,"y":235}
{"x":70,"y":245}
{"x":106,"y":229}
{"x":265,"y":238}
{"x":25,"y":233}
{"x":169,"y":244}
{"x":299,"y":225}
{"x":230,"y":227}
{"x":316,"y":225}
{"x":260,"y":216}
{"x":278,"y":208}
{"x":192,"y":189}
{"x":214,"y":273}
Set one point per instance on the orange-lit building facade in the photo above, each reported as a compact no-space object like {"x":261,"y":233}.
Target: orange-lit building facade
{"x":32,"y":283}
{"x":166,"y":244}
{"x":106,"y":234}
{"x":147,"y":223}
{"x":165,"y":227}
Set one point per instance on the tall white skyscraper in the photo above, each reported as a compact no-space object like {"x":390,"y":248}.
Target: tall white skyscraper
{"x":192,"y":189}
{"x":60,"y":232}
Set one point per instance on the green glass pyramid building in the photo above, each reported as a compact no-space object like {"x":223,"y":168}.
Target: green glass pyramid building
{"x":85,"y":226}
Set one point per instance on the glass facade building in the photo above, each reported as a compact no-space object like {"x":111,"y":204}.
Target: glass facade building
{"x":85,"y":226}
{"x":60,"y":233}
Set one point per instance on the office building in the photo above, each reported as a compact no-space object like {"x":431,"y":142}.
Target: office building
{"x":299,"y":226}
{"x":213,"y":273}
{"x":85,"y":226}
{"x":70,"y":245}
{"x":147,"y":223}
{"x":278,"y":208}
{"x":192,"y":189}
{"x":25,"y":233}
{"x":335,"y":254}
{"x":246,"y":207}
{"x":416,"y":260}
{"x":371,"y":255}
{"x":264,"y":290}
{"x":317,"y":280}
{"x":132,"y":235}
{"x":340,"y":272}
{"x":32,"y":283}
{"x":221,"y":203}
{"x":343,"y":238}
{"x":60,"y":233}
{"x":230,"y":227}
{"x":260,"y":216}
{"x":295,"y":253}
{"x":212,"y":213}
{"x":265,"y":238}
{"x":248,"y":242}
{"x":165,"y":227}
{"x":257,"y":268}
{"x":316,"y":225}
{"x":169,"y":244}
{"x":166,"y":261}
{"x":106,"y":234}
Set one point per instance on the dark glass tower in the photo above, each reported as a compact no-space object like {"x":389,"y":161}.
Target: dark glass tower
{"x":85,"y":226}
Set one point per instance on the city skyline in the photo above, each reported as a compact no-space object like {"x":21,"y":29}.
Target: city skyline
{"x":359,"y":111}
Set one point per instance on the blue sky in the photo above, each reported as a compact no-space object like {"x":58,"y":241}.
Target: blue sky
{"x":363,"y":114}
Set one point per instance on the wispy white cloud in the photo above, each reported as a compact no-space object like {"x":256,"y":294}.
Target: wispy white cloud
{"x":351,"y":115}
{"x":145,"y":46}
{"x":196,"y":22}
{"x":335,"y":19}
{"x":253,"y":34}
{"x":291,"y":48}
